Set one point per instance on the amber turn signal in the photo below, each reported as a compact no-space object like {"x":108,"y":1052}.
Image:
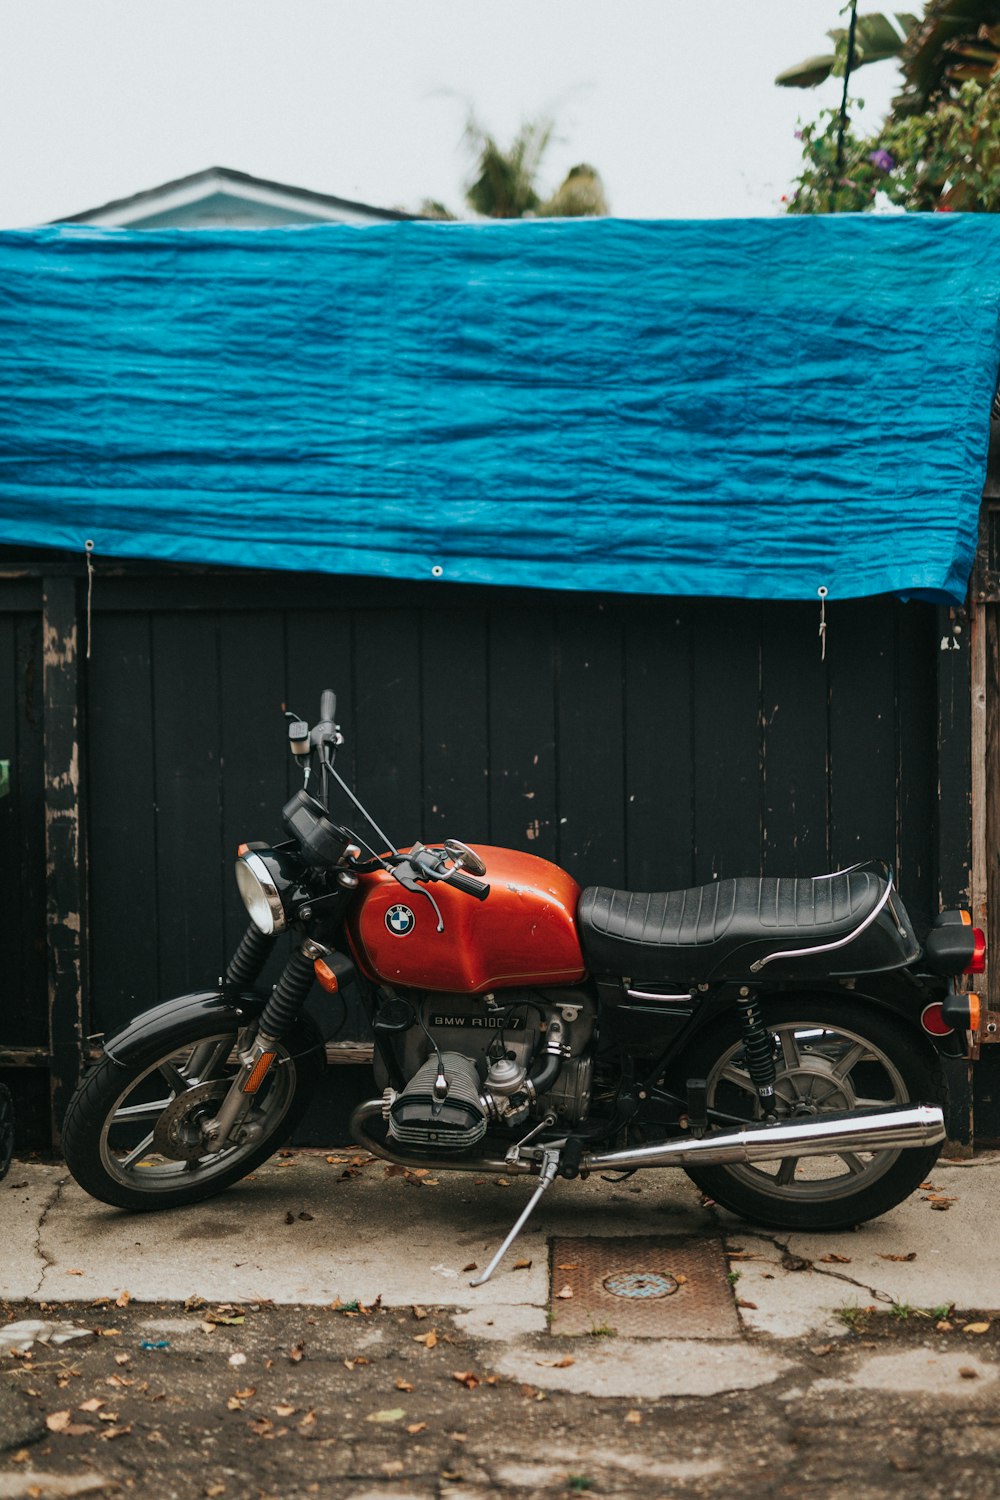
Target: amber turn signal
{"x":325,"y":976}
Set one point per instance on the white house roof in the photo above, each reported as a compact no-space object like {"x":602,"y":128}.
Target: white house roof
{"x":219,"y":197}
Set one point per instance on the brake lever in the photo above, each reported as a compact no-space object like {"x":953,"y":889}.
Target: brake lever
{"x":407,"y":877}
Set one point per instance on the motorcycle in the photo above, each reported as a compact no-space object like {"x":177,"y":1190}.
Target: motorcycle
{"x":778,"y":1039}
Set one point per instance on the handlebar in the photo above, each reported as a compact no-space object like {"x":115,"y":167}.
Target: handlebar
{"x":426,"y":863}
{"x":469,"y":884}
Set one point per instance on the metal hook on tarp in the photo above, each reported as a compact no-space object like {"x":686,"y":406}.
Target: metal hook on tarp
{"x":88,"y":547}
{"x":822,"y":591}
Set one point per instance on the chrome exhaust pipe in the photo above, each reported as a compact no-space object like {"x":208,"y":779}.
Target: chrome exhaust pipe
{"x":900,"y":1128}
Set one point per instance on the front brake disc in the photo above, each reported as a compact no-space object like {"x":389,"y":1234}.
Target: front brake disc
{"x":178,"y":1132}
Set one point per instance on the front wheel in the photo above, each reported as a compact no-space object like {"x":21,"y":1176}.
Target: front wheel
{"x":131,"y":1134}
{"x":830,"y":1057}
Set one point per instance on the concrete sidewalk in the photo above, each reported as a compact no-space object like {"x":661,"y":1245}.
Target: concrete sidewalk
{"x":310,"y":1227}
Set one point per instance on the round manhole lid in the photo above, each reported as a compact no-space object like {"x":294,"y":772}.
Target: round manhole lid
{"x":640,"y":1284}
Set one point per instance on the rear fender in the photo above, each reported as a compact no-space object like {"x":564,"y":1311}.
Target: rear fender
{"x":187,"y":1016}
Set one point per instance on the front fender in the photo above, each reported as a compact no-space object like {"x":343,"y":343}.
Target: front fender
{"x":186,"y":1016}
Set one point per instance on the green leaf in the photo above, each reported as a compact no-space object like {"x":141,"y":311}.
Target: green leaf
{"x":807,"y":74}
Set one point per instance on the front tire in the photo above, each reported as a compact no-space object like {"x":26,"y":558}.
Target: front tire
{"x":110,"y":1137}
{"x":831,"y":1056}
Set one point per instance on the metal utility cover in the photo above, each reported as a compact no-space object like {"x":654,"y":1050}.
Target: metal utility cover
{"x":642,"y":1288}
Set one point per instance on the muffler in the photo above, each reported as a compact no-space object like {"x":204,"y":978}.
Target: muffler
{"x":899,"y":1128}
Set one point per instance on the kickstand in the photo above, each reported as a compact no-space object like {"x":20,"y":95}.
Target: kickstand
{"x":550,"y":1166}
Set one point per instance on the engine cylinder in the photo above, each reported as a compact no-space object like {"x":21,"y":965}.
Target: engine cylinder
{"x":456,"y":1122}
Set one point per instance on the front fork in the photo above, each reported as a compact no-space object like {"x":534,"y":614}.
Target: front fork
{"x":279,"y":1014}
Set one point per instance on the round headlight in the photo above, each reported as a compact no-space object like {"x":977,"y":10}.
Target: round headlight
{"x":260,"y":894}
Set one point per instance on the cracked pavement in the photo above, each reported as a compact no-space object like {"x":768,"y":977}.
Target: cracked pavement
{"x":306,"y":1230}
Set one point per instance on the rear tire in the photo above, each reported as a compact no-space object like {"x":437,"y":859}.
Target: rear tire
{"x":833,"y":1056}
{"x":108,"y":1132}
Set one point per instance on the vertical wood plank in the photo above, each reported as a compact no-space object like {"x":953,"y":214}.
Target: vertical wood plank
{"x":862,"y":658}
{"x":727,"y":740}
{"x":254,"y":745}
{"x":125,"y":906}
{"x":455,"y":725}
{"x":65,"y":841}
{"x":659,"y":767}
{"x":590,"y":748}
{"x":523,"y":662}
{"x":916,"y":779}
{"x":388,"y":696}
{"x":189,"y":855}
{"x":795,"y":742}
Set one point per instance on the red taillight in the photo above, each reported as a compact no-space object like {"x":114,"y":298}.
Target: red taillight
{"x":977,"y":962}
{"x":932,"y":1020}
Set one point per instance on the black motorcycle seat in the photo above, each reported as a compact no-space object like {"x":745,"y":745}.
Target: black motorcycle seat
{"x":718,"y":930}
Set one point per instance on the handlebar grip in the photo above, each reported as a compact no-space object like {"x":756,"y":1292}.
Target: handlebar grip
{"x":468,"y":883}
{"x":328,"y":706}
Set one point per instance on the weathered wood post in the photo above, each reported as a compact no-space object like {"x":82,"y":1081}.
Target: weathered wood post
{"x":65,"y":841}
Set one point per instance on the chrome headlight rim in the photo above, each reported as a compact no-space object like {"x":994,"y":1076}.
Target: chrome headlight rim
{"x":263,"y":899}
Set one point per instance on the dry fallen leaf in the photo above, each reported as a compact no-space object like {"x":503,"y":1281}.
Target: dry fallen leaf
{"x":568,"y":1265}
{"x":94,"y":1404}
{"x":521,"y":1265}
{"x":743,"y":1302}
{"x":910,"y":1255}
{"x":968,"y":1373}
{"x":976,"y":1328}
{"x":472,"y":1266}
{"x":391,"y":1414}
{"x":57,"y":1421}
{"x":943,"y":1326}
{"x":680,"y":1279}
{"x":234,"y":1404}
{"x":296,"y":1353}
{"x":567,"y":1291}
{"x":74,"y":1273}
{"x":214,"y":1490}
{"x":633,"y":1418}
{"x":284,"y":1410}
{"x":418,"y":1312}
{"x":393,"y":1466}
{"x":121,"y":1359}
{"x":466,"y":1378}
{"x":304,"y":1423}
{"x":835,"y":1260}
{"x":557,"y":1364}
{"x":116,"y":1432}
{"x":414,"y":1427}
{"x":403,"y":1385}
{"x":427,"y":1339}
{"x":820,"y":1349}
{"x":123,"y":1299}
{"x":246,"y":1392}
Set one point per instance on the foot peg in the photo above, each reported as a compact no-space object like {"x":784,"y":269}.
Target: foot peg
{"x":550,"y":1168}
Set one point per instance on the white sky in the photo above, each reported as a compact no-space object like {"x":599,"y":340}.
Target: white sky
{"x":673,"y":101}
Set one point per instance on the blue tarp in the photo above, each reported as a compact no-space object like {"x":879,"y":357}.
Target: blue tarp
{"x":746,"y":408}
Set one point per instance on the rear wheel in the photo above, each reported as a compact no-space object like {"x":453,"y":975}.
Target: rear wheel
{"x":131,"y":1136}
{"x":830,"y":1057}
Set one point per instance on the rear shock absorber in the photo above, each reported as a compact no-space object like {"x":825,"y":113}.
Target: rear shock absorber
{"x":758,"y":1048}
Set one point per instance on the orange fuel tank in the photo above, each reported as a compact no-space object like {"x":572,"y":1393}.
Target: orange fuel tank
{"x":524,"y":933}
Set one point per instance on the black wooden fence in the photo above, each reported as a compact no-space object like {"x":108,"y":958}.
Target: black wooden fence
{"x":644,"y":742}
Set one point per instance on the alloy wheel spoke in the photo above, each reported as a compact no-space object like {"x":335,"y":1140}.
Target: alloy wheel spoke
{"x":790,"y":1055}
{"x":205,"y":1059}
{"x":732,"y":1074}
{"x":786,"y":1172}
{"x":174,"y":1078}
{"x":853,"y":1163}
{"x":851,"y":1057}
{"x":137,"y":1151}
{"x":137,"y":1114}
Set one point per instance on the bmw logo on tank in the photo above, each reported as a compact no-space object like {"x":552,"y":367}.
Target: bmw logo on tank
{"x":400,"y":920}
